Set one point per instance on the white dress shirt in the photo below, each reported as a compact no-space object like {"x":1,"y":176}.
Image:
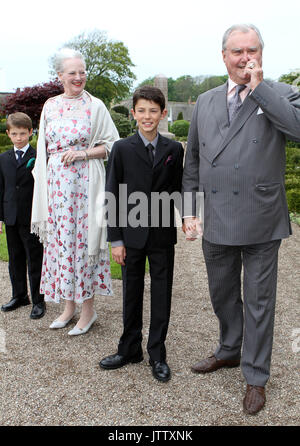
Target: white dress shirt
{"x":24,"y":150}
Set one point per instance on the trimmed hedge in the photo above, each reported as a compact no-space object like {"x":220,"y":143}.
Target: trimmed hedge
{"x":2,"y":126}
{"x":122,"y":123}
{"x":293,"y":198}
{"x":122,"y":110}
{"x":292,"y":178}
{"x":4,"y":139}
{"x":180,"y":128}
{"x":4,"y":148}
{"x":9,"y":145}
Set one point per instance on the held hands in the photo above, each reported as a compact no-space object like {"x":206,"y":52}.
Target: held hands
{"x":254,"y":70}
{"x":73,"y":155}
{"x":119,"y":254}
{"x":98,"y":151}
{"x":192,"y":227}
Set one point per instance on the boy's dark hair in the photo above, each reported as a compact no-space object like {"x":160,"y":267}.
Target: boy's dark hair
{"x":19,"y":119}
{"x":149,"y":93}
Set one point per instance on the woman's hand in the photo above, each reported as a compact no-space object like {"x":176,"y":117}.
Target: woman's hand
{"x":73,"y":155}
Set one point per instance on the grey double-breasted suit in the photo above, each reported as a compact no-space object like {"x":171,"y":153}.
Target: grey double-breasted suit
{"x":240,"y":168}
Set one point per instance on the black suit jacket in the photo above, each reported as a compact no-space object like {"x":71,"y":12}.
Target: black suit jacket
{"x":16,"y":188}
{"x":129,"y":164}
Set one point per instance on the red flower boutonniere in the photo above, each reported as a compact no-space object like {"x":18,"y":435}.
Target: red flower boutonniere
{"x":168,"y":160}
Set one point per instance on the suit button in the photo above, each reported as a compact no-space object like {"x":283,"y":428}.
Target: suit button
{"x":236,"y":192}
{"x":214,"y":164}
{"x":214,"y":191}
{"x":254,"y":141}
{"x":17,"y":187}
{"x":236,"y":166}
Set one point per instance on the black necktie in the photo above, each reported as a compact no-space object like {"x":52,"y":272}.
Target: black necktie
{"x":19,"y":155}
{"x":235,"y":102}
{"x":150,"y":149}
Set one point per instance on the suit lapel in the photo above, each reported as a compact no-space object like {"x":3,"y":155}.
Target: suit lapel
{"x":29,"y":154}
{"x":160,"y":149}
{"x":244,"y":114}
{"x":11,"y":155}
{"x":221,"y":110}
{"x":140,"y":149}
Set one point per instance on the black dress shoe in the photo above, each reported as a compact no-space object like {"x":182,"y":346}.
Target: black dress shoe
{"x":116,"y":361}
{"x":15,"y":303}
{"x":38,"y":310}
{"x":160,"y":370}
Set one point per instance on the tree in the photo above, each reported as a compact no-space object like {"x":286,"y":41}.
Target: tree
{"x":30,"y":100}
{"x":108,"y":65}
{"x":148,"y":81}
{"x":184,"y":89}
{"x":210,"y":82}
{"x":171,"y":89}
{"x":187,"y":88}
{"x":292,"y":78}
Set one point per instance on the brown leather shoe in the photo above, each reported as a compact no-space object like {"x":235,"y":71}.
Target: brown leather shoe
{"x":254,"y":399}
{"x":212,"y":364}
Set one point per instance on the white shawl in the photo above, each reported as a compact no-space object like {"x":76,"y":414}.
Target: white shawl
{"x":103,"y":131}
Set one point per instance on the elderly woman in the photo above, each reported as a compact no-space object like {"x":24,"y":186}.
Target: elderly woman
{"x":75,"y":136}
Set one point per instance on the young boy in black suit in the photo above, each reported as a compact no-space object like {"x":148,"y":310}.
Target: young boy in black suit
{"x":147,"y":164}
{"x":16,"y":190}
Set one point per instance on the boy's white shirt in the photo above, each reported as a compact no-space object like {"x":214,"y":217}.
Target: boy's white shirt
{"x":24,"y":149}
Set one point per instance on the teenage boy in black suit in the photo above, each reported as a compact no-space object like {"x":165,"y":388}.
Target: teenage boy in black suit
{"x":16,"y":190}
{"x":144,"y":170}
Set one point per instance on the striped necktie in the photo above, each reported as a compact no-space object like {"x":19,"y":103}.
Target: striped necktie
{"x":19,"y":155}
{"x":150,"y":149}
{"x":235,"y":102}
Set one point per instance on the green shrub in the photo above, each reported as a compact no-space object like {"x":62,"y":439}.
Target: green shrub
{"x":180,"y":116}
{"x":292,"y":182}
{"x":292,"y":156}
{"x":292,"y":171}
{"x":4,"y":139}
{"x":33,"y":141}
{"x":3,"y":126}
{"x":122,"y":123}
{"x":180,"y":128}
{"x":293,"y":198}
{"x":293,"y":144}
{"x":4,"y":148}
{"x":122,"y":110}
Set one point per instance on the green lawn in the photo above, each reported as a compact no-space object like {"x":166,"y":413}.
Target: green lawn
{"x":115,"y":268}
{"x":3,"y":247}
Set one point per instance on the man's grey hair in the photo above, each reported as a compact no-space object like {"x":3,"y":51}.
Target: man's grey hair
{"x":64,"y":54}
{"x":244,"y":28}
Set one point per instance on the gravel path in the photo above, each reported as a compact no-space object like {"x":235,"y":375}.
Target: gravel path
{"x":49,"y":378}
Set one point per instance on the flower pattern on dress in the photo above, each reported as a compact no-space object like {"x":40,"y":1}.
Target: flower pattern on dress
{"x":66,"y":273}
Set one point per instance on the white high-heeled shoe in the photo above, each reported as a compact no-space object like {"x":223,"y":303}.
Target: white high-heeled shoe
{"x":79,"y":331}
{"x":61,"y":324}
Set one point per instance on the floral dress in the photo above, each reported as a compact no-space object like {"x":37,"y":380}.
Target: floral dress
{"x":66,"y":273}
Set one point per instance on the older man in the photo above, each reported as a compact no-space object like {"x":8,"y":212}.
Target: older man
{"x":236,"y":156}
